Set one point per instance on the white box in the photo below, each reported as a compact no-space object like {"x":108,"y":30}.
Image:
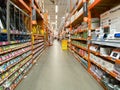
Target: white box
{"x":111,"y":18}
{"x":104,"y":19}
{"x":115,"y":54}
{"x":109,"y":66}
{"x":95,"y":23}
{"x":115,"y":20}
{"x":94,"y":48}
{"x":104,"y":51}
{"x":80,"y":11}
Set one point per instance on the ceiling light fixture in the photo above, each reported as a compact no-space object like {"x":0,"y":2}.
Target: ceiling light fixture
{"x":56,"y":21}
{"x":56,"y":17}
{"x":56,"y":8}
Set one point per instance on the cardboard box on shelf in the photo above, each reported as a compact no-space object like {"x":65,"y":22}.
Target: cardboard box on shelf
{"x":95,"y":23}
{"x":104,"y":19}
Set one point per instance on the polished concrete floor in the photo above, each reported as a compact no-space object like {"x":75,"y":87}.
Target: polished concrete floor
{"x":58,"y":70}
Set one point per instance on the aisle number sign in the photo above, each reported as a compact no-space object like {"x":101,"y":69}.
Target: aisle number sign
{"x":64,"y":44}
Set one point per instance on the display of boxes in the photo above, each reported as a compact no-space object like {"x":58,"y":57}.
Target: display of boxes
{"x":94,"y":48}
{"x":117,"y":68}
{"x":72,"y":18}
{"x":84,"y":25}
{"x":104,"y":19}
{"x":115,"y":20}
{"x":105,"y":51}
{"x":98,"y":72}
{"x":80,"y":12}
{"x":95,"y":23}
{"x":105,"y":64}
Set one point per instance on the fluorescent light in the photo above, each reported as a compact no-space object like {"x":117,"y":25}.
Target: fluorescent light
{"x":56,"y":8}
{"x":56,"y":21}
{"x":56,"y":17}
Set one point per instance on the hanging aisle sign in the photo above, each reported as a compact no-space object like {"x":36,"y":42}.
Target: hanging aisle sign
{"x":33,"y":13}
{"x":85,"y":10}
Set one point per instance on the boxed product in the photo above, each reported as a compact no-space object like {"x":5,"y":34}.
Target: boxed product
{"x":109,"y":66}
{"x":115,"y":21}
{"x":115,"y":54}
{"x":104,"y":19}
{"x":80,"y":11}
{"x":72,"y":18}
{"x":95,"y":23}
{"x":105,"y":51}
{"x":94,"y":48}
{"x":111,"y":19}
{"x":117,"y":67}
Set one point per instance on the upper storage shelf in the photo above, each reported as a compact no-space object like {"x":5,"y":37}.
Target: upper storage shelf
{"x":36,"y":3}
{"x":77,"y":7}
{"x":76,"y":15}
{"x":75,"y":21}
{"x":38,"y":12}
{"x":101,"y":6}
{"x":24,"y":5}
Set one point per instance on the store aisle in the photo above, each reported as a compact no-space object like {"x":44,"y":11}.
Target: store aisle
{"x":58,"y":70}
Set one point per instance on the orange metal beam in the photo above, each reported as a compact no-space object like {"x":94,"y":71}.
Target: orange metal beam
{"x":36,"y":4}
{"x":94,"y":4}
{"x":25,"y":5}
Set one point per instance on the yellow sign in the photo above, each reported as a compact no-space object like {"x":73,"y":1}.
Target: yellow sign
{"x":42,"y":32}
{"x":4,"y":31}
{"x":64,"y":44}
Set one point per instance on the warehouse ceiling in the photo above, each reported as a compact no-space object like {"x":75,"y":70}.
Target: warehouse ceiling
{"x":63,"y":7}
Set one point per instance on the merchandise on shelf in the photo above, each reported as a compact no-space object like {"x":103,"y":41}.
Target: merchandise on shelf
{"x":2,"y":17}
{"x":103,"y":63}
{"x":95,"y":23}
{"x":105,"y":51}
{"x":38,"y":30}
{"x":14,"y":76}
{"x":82,"y":35}
{"x":84,"y":62}
{"x":11,"y":55}
{"x":117,"y":68}
{"x":79,"y":43}
{"x":110,"y":82}
{"x":94,"y":48}
{"x":103,"y":27}
{"x":83,"y":53}
{"x":75,"y":16}
{"x":13,"y":62}
{"x":8,"y":48}
{"x":84,"y":26}
{"x":97,"y":71}
{"x":115,"y":54}
{"x":111,"y":20}
{"x":104,"y":19}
